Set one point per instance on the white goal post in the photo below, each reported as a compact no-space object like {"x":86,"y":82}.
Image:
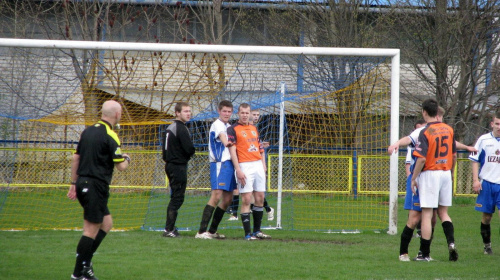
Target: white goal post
{"x":394,"y":55}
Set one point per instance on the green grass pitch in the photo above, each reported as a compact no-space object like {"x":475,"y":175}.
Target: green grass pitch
{"x":137,"y":254}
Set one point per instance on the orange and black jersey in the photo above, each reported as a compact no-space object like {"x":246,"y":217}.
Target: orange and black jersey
{"x":246,"y":139}
{"x":436,"y":143}
{"x":99,"y":150}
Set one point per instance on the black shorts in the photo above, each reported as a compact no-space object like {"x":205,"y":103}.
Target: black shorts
{"x":93,"y":195}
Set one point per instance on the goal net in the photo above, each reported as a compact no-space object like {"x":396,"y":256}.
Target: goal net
{"x":328,"y":113}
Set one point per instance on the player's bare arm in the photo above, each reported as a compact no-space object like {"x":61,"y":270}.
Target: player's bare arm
{"x":223,"y":139}
{"x":476,"y":184}
{"x":74,"y":167}
{"x":407,"y":169}
{"x":419,"y":165}
{"x":263,"y":155}
{"x":121,"y":166}
{"x":461,"y":146}
{"x":405,"y":141}
{"x":240,"y":176}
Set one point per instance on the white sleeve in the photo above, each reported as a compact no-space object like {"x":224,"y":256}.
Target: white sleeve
{"x":414,"y":135}
{"x":219,"y":128}
{"x":408,"y":155}
{"x":479,"y":148}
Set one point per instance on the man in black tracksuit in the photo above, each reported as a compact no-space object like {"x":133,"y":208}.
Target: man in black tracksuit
{"x":177,"y":150}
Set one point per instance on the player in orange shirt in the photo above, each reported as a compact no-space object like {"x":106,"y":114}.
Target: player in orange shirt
{"x":436,"y":157}
{"x":249,"y":164}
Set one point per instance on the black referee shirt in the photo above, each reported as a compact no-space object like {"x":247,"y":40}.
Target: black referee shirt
{"x":99,"y":150}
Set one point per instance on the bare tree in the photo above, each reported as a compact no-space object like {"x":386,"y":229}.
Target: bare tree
{"x":452,"y":48}
{"x":327,"y":24}
{"x":123,"y":73}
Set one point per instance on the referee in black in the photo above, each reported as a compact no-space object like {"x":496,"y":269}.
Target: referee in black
{"x":97,"y":154}
{"x":177,"y":150}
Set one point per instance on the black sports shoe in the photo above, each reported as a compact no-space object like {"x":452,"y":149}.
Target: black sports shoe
{"x":88,"y":273}
{"x":422,"y":259}
{"x":73,"y":277}
{"x":487,"y":249}
{"x":172,"y":233}
{"x":453,"y":252}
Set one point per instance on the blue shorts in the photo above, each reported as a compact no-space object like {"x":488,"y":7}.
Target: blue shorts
{"x":488,"y":198}
{"x":412,"y":201}
{"x":222,"y":176}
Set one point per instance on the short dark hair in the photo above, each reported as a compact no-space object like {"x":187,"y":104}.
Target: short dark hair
{"x":244,"y":105}
{"x":179,"y":105}
{"x":418,"y":122}
{"x":497,"y":114}
{"x":430,"y":106}
{"x":225,"y":103}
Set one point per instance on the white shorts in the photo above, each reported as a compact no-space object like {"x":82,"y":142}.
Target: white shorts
{"x":255,"y":177}
{"x":435,"y":188}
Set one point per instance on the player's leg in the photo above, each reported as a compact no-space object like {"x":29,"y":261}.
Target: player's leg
{"x":428,"y":200}
{"x":425,"y":242}
{"x":486,"y":232}
{"x":106,"y":226}
{"x":445,"y":200}
{"x":233,"y":208}
{"x":93,"y":204}
{"x":246,"y":198}
{"x":259,"y":196}
{"x":208,"y":211}
{"x":449,"y":232}
{"x":412,"y":204}
{"x":215,"y":195}
{"x":485,"y":203}
{"x":269,"y":210}
{"x":488,"y":198}
{"x":407,"y":234}
{"x":235,"y":200}
{"x":177,"y":175}
{"x":107,"y":220}
{"x":227,"y":196}
{"x":226,"y":184}
{"x":84,"y":248}
{"x":258,"y":210}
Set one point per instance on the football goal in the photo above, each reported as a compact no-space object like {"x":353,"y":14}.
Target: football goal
{"x":328,"y":113}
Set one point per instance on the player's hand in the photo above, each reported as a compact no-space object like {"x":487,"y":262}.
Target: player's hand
{"x":241,"y":177}
{"x":392,"y":148}
{"x":414,"y":186}
{"x":72,"y":192}
{"x":476,"y":186}
{"x":471,"y":150}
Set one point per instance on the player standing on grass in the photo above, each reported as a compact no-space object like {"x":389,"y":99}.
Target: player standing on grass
{"x":255,"y":120}
{"x":177,"y":150}
{"x":222,"y":178}
{"x":97,"y":154}
{"x":249,"y":163}
{"x":436,"y":152}
{"x":486,"y":178}
{"x":233,"y":209}
{"x":412,"y":201}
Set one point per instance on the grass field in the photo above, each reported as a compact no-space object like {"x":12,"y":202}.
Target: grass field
{"x":140,"y":254}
